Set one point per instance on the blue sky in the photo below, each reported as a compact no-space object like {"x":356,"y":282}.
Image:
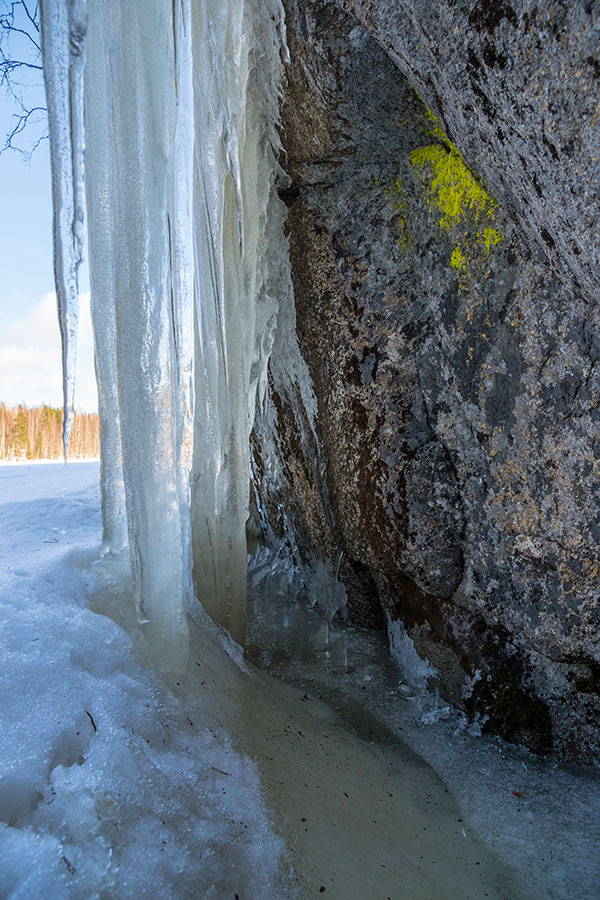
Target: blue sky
{"x":25,"y":223}
{"x":29,"y":335}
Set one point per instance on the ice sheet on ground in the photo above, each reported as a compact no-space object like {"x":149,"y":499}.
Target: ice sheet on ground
{"x":542,"y":819}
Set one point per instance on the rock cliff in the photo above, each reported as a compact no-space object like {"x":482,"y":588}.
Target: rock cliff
{"x":443,"y":170}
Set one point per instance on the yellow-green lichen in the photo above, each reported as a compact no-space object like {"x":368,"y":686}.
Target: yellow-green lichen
{"x":491,"y":237}
{"x":435,"y":130}
{"x":458,"y":260}
{"x":464,"y":207}
{"x":452,"y":187}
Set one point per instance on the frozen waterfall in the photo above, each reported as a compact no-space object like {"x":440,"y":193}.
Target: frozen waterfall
{"x":167,"y":112}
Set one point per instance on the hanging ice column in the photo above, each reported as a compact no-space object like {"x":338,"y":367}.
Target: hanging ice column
{"x":63,"y":46}
{"x":181,"y":158}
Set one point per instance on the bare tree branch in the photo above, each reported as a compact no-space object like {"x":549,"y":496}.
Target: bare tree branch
{"x":7,"y":22}
{"x":34,"y":19}
{"x":22,"y":121}
{"x":7,"y":66}
{"x":20,"y":21}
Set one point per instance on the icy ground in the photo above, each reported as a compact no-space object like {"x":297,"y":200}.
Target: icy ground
{"x":36,"y":479}
{"x":108,"y":788}
{"x":222,"y":784}
{"x":542,"y":819}
{"x":118,"y":784}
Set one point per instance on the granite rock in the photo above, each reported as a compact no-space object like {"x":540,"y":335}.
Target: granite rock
{"x":443,"y":172}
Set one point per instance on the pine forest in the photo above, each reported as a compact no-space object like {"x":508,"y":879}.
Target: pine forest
{"x":36,"y":433}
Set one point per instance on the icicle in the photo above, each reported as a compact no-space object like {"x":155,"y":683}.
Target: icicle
{"x":238,"y":76}
{"x":182,"y":259}
{"x":141,"y":70}
{"x":99,"y":164}
{"x":181,"y":161}
{"x":63,"y":46}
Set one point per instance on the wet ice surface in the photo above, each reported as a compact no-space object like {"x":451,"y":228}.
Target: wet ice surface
{"x":540,"y":818}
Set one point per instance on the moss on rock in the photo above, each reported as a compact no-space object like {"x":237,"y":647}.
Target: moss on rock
{"x":512,"y":712}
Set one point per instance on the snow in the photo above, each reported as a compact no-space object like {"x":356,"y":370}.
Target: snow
{"x":109,"y":784}
{"x":32,"y":480}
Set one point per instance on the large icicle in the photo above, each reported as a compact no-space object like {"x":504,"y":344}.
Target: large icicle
{"x":182,"y":261}
{"x":238,"y":72}
{"x":64,"y":25}
{"x":182,"y":103}
{"x":140,"y":67}
{"x":99,"y":184}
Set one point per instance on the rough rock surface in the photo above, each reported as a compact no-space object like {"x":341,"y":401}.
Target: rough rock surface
{"x":443,"y":199}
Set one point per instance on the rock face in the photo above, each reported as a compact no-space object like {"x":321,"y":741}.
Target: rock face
{"x":444,"y":168}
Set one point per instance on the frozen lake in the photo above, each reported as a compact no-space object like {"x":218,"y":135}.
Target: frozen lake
{"x":34,"y":481}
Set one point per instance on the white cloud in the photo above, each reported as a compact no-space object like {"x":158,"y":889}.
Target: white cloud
{"x":30,"y":358}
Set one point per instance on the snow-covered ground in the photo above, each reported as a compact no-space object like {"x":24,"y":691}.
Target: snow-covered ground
{"x":108,"y":788}
{"x":36,"y":479}
{"x":117,"y":783}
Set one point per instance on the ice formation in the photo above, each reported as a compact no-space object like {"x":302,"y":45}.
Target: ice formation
{"x":63,"y":45}
{"x":415,"y":670}
{"x":179,"y":152}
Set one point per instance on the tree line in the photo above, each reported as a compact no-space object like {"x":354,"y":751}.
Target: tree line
{"x":36,"y":433}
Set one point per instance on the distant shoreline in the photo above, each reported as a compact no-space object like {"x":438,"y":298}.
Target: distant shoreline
{"x":38,"y":462}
